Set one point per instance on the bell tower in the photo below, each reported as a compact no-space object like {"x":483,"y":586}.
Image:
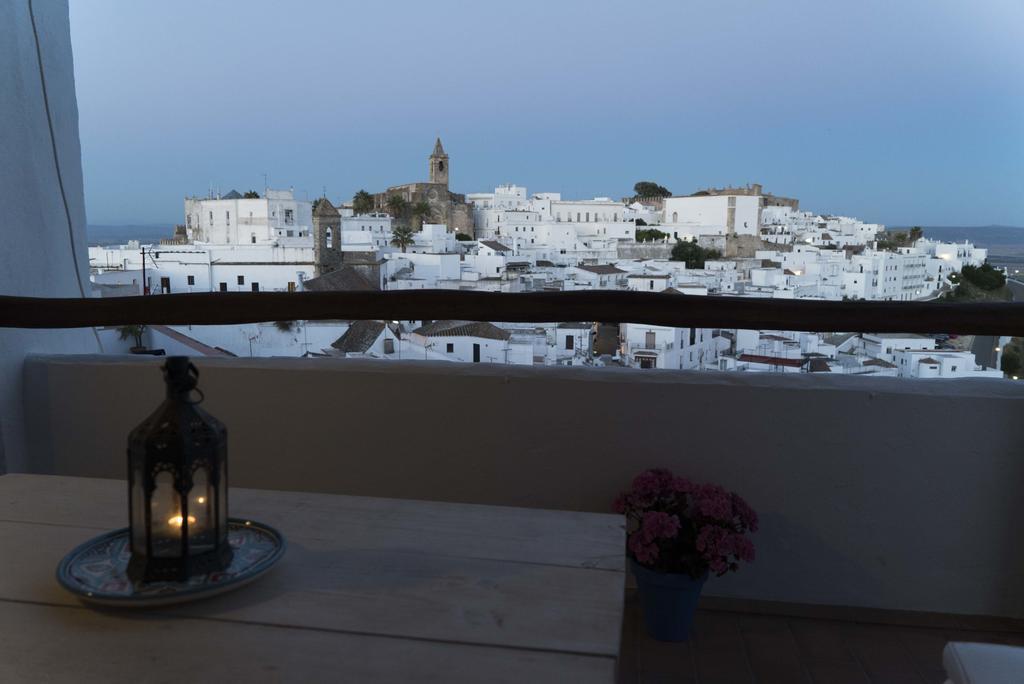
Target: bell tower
{"x":326,"y":255}
{"x":439,"y":165}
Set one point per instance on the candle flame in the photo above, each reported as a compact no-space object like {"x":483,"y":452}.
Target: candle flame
{"x":176,"y":521}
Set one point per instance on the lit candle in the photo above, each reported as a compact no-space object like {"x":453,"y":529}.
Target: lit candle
{"x":176,"y":521}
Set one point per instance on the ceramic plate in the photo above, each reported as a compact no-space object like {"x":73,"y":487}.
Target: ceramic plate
{"x":95,"y":571}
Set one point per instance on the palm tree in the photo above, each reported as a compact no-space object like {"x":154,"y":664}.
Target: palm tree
{"x":397,"y":206}
{"x":133,"y":331}
{"x":362,"y":202}
{"x":402,"y":236}
{"x":423,"y":212}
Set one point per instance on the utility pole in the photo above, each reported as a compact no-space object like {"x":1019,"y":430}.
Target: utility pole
{"x":145,"y":285}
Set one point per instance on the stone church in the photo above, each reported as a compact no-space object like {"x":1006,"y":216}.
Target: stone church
{"x":448,"y":207}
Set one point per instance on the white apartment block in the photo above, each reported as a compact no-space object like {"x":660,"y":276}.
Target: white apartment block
{"x":234,"y":220}
{"x":655,"y":346}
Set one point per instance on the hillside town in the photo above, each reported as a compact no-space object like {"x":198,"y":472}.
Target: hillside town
{"x":715,"y":242}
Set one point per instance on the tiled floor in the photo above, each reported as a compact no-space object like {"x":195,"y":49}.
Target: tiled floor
{"x":733,"y":646}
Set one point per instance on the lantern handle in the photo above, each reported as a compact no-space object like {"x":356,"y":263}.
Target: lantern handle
{"x":194,"y":372}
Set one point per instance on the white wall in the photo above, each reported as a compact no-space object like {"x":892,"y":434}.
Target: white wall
{"x":43,"y":228}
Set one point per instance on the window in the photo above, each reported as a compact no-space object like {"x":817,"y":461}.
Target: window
{"x":253,"y":238}
{"x":450,"y":348}
{"x":675,"y":217}
{"x":223,"y":287}
{"x":569,"y":342}
{"x":241,"y":280}
{"x":649,"y":340}
{"x":652,"y":285}
{"x":588,"y":217}
{"x":255,"y":287}
{"x":290,"y":233}
{"x":211,"y":217}
{"x":291,"y":286}
{"x":693,"y":336}
{"x":191,"y":280}
{"x":389,"y":345}
{"x":577,"y":217}
{"x":289,"y":217}
{"x":227,"y":217}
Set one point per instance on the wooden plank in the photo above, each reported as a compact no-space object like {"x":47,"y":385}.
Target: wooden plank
{"x":387,"y":579}
{"x":980,"y":318}
{"x":567,"y":538}
{"x":72,"y":644}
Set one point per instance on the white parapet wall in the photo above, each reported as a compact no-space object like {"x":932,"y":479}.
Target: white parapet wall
{"x":888,"y":493}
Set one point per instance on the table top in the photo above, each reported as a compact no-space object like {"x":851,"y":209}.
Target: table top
{"x":369,"y":590}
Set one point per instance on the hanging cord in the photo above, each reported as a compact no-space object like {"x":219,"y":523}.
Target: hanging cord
{"x":56,"y":163}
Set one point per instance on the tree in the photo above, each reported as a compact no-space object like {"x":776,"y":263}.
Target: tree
{"x":462,"y":237}
{"x":650,"y":234}
{"x":1011,"y":362}
{"x":916,"y":233}
{"x":651,"y":189}
{"x":316,"y":203}
{"x":984,"y":276}
{"x":362,"y":202}
{"x":285,"y":326}
{"x":133,"y":331}
{"x":422,"y":212}
{"x":252,"y":194}
{"x":397,"y":206}
{"x":693,"y":254}
{"x":402,"y":236}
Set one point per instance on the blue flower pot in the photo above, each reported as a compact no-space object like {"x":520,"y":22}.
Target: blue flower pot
{"x":668,"y":601}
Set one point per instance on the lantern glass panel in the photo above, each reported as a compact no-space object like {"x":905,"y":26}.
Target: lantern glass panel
{"x":138,"y":513}
{"x":222,"y":499}
{"x":165,"y":512}
{"x":202,"y":527}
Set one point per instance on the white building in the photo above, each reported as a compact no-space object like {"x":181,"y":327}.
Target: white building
{"x":233,"y":219}
{"x":280,"y":265}
{"x":713,"y":215}
{"x":656,"y":346}
{"x":920,"y":363}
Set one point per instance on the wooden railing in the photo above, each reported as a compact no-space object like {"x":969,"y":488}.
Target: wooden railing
{"x":606,"y":306}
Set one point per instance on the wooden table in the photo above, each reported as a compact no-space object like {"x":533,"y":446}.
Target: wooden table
{"x":370,"y":590}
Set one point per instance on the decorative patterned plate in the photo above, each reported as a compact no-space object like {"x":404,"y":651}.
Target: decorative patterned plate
{"x":95,"y":571}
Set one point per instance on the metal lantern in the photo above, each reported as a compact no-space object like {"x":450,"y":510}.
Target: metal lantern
{"x":178,"y":486}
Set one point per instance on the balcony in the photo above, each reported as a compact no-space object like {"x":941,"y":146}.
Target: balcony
{"x":860,"y":548}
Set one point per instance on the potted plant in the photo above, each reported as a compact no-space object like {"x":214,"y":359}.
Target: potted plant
{"x":135,"y":332}
{"x":678,"y":533}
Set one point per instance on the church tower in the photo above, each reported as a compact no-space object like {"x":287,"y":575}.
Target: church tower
{"x":326,"y":218}
{"x":439,"y":165}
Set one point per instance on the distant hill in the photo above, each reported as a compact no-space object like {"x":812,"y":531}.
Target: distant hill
{"x":117,"y":235}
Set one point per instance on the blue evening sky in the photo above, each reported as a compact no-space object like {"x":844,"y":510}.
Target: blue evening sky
{"x":905,"y":112}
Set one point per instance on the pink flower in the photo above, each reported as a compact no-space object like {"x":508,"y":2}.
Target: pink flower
{"x":660,"y":505}
{"x":658,"y":525}
{"x":713,"y":502}
{"x":708,"y":540}
{"x":645,"y":553}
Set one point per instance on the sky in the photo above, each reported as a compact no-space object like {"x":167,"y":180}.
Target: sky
{"x":904,"y":113}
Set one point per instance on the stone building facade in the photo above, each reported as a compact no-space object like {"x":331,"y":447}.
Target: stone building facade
{"x":448,"y":207}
